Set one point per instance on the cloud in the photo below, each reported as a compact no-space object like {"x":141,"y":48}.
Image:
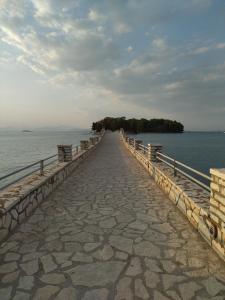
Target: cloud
{"x":90,"y":45}
{"x":159,"y":44}
{"x":93,"y":15}
{"x":130,"y":49}
{"x":220,"y":46}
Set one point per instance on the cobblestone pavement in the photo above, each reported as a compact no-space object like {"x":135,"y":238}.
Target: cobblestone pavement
{"x":108,"y":232}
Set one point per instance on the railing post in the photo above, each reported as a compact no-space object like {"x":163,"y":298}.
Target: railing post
{"x":174,"y":168}
{"x":84,"y":145}
{"x":64,"y":153}
{"x":137,"y":144}
{"x":92,"y":140}
{"x":77,"y":149}
{"x":152,"y":152}
{"x":215,"y":221}
{"x":41,"y":167}
{"x":131,"y":141}
{"x":217,"y":201}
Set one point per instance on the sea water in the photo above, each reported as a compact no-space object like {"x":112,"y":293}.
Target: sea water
{"x":18,"y":148}
{"x":199,"y":150}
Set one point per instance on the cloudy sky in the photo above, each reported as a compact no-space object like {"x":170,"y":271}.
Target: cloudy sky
{"x":70,"y":62}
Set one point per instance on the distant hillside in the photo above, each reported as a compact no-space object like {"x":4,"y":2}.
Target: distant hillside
{"x":139,"y":125}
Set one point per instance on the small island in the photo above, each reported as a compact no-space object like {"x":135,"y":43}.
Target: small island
{"x":139,"y":125}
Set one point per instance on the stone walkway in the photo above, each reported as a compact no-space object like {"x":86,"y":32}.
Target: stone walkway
{"x":108,"y":232}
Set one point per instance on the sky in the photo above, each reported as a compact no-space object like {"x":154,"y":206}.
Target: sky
{"x":72,"y":62}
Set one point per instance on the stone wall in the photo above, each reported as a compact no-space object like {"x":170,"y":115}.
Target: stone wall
{"x":205,"y":213}
{"x":20,"y":199}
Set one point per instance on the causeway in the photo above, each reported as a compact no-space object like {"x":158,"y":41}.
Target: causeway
{"x":109,"y":232}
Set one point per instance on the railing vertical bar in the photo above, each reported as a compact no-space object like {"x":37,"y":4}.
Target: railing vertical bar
{"x":42,"y":167}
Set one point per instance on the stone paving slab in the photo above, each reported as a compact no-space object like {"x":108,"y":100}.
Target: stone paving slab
{"x":108,"y":232}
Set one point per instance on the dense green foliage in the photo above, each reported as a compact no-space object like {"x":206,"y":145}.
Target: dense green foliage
{"x":138,"y":126}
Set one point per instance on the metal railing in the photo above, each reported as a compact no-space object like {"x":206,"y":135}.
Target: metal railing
{"x":143,"y":148}
{"x":40,"y":163}
{"x":173,"y":163}
{"x":34,"y":167}
{"x":177,"y":166}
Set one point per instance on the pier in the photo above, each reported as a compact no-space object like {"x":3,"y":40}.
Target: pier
{"x":107,"y":223}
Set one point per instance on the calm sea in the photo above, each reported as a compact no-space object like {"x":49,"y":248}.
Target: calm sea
{"x":200,"y":150}
{"x":18,"y":149}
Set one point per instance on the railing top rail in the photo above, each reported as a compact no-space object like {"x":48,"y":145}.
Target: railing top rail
{"x":184,"y":165}
{"x":26,"y":167}
{"x":143,"y":146}
{"x":187,"y":175}
{"x":174,"y":164}
{"x":75,"y":149}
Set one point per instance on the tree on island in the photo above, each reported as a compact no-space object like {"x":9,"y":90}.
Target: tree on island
{"x":138,"y":125}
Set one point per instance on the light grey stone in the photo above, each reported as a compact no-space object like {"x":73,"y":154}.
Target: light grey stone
{"x":140,"y":289}
{"x":12,"y":256}
{"x":124,"y":218}
{"x":8,"y":278}
{"x":72,"y":247}
{"x":188,"y":290}
{"x":26,"y":282}
{"x":88,"y":247}
{"x":138,"y":225}
{"x":159,"y":296}
{"x":5,"y":293}
{"x":3,"y":235}
{"x":170,"y":280}
{"x":151,"y":279}
{"x":169,"y":253}
{"x":52,"y":237}
{"x":146,"y":248}
{"x":152,"y":236}
{"x":32,"y":256}
{"x":29,"y":247}
{"x":82,"y":257}
{"x":53,"y":278}
{"x":104,"y":254}
{"x":213,"y":286}
{"x":121,"y":255}
{"x":168,"y":266}
{"x":108,"y":223}
{"x":96,"y":274}
{"x":48,"y":263}
{"x":61,"y":257}
{"x":98,"y":294}
{"x":152,"y":265}
{"x":123,"y":289}
{"x":8,"y":267}
{"x":21,"y":296}
{"x":121,"y":243}
{"x":30,"y":267}
{"x":82,"y":237}
{"x":173,"y":295}
{"x":163,"y":227}
{"x":66,"y":264}
{"x":46,"y":292}
{"x":135,"y":267}
{"x":67,"y":294}
{"x":93,"y":229}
